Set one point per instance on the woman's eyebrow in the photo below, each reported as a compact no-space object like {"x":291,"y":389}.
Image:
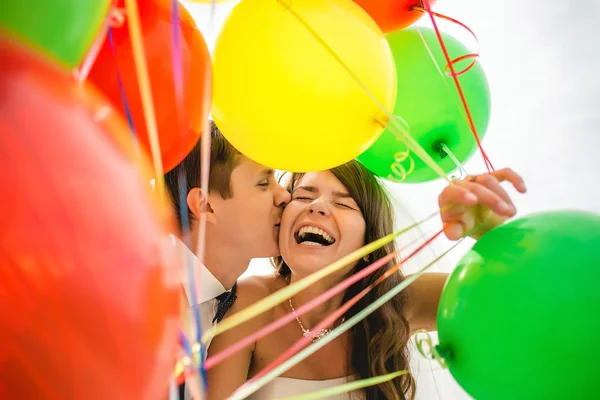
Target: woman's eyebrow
{"x":342,"y":195}
{"x":311,"y":189}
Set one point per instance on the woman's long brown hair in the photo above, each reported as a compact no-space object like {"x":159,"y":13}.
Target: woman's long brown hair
{"x":379,"y":342}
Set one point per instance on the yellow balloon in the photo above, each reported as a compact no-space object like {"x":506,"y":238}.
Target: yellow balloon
{"x":283,"y":100}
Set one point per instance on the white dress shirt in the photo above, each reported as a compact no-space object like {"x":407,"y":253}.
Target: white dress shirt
{"x":207,"y":289}
{"x":207,"y":286}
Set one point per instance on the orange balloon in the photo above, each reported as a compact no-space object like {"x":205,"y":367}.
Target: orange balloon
{"x":393,"y":15}
{"x":176,"y":139}
{"x":89,"y":306}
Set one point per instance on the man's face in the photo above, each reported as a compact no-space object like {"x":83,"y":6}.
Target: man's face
{"x":249,"y":221}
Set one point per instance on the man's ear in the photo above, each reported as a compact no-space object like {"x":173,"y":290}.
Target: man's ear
{"x":198,"y":204}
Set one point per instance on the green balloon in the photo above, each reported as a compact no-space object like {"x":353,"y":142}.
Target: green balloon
{"x":63,"y":29}
{"x":519,"y":317}
{"x":429,"y":102}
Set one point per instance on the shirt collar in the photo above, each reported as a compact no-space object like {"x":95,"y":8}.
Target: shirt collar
{"x":207,"y":286}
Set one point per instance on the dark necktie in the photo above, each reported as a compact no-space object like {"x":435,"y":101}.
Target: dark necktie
{"x":226,"y":300}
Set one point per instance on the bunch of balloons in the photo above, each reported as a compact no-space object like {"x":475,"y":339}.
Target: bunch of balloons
{"x":67,"y":31}
{"x":88,"y":283}
{"x":309,"y":85}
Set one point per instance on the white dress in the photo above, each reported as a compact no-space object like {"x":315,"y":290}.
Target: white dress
{"x":285,"y":387}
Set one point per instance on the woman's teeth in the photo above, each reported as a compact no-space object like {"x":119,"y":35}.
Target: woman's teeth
{"x":313,"y":236}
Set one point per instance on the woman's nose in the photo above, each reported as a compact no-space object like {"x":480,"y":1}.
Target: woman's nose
{"x":318,"y":207}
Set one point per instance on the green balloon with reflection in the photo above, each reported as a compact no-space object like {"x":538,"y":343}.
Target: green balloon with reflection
{"x":429,"y":102}
{"x":519,"y":317}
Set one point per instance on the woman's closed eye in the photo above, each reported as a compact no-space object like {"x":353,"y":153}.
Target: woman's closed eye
{"x":340,"y":204}
{"x":346,"y":206}
{"x":302,"y":198}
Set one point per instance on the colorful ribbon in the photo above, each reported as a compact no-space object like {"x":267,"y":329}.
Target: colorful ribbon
{"x":256,"y":383}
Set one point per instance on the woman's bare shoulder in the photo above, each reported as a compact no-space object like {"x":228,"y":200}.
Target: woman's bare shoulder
{"x":257,"y":287}
{"x":252,"y":289}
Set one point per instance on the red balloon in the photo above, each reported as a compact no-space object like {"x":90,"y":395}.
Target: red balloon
{"x":393,"y":15}
{"x":88,"y":304}
{"x":176,"y":139}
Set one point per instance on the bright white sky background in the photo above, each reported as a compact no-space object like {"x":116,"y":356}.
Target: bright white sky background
{"x":541,"y":58}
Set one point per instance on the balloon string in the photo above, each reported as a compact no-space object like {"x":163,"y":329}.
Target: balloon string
{"x":194,"y":385}
{"x":437,"y":66}
{"x":185,"y":227}
{"x":122,"y":88}
{"x":195,"y":310}
{"x":474,"y":56}
{"x":213,"y":7}
{"x":404,"y":136}
{"x":219,"y":357}
{"x":334,"y":316}
{"x":400,"y":132}
{"x":442,"y":148}
{"x":290,"y":290}
{"x":275,"y":325}
{"x":348,"y":387}
{"x":181,"y":176}
{"x":185,"y":344}
{"x":427,"y":349}
{"x":205,"y":151}
{"x":177,"y":62}
{"x":255,"y":383}
{"x":173,"y":390}
{"x":83,"y":71}
{"x":445,"y":150}
{"x":139,"y":58}
{"x":454,"y":76}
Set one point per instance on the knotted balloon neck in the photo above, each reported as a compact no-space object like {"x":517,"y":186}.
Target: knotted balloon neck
{"x":444,"y":151}
{"x":428,"y":350}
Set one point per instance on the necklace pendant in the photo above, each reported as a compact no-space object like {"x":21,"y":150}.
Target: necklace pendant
{"x":316,"y":336}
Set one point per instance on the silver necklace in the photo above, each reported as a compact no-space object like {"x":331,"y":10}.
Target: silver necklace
{"x":314,"y":336}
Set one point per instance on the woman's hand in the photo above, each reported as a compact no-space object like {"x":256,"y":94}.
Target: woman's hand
{"x":478,"y":203}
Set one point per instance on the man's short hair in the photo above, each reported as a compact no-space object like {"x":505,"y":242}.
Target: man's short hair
{"x":223,"y":160}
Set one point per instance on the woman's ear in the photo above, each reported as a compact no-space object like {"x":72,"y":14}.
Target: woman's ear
{"x":199,"y":205}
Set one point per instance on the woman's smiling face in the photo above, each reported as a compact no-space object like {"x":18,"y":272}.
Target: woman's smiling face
{"x":321,"y":224}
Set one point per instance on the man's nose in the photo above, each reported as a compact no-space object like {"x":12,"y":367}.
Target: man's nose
{"x":281,"y":197}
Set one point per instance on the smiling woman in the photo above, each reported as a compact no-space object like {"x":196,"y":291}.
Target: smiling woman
{"x":352,"y":207}
{"x":331,"y":214}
